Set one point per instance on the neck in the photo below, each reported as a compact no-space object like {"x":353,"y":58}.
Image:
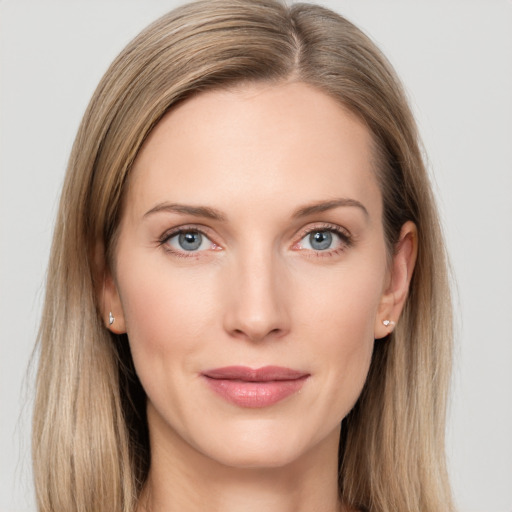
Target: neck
{"x":185,"y":480}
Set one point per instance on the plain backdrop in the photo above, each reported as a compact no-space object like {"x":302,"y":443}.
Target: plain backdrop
{"x":455,"y":58}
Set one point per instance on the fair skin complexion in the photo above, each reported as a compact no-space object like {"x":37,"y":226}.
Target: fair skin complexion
{"x":252,"y":235}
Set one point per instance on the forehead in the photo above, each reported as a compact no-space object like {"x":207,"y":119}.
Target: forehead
{"x":256,"y":144}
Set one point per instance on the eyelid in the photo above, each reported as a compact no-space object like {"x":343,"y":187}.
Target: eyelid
{"x":172,"y":232}
{"x":324,"y":226}
{"x":346,"y":238}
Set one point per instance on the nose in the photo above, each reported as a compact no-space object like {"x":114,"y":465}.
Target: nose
{"x":256,"y":308}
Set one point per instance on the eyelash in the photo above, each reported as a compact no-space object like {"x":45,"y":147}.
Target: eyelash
{"x":346,"y":239}
{"x":343,"y":234}
{"x":162,"y":241}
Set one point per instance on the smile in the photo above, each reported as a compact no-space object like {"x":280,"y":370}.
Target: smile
{"x":255,"y":388}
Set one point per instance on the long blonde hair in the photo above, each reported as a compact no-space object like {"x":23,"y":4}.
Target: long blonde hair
{"x":90,"y":441}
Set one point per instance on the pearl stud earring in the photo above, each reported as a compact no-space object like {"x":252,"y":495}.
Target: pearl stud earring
{"x":111,"y":318}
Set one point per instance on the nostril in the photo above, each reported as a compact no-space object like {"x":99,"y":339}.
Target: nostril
{"x":257,"y":314}
{"x":257,"y":335}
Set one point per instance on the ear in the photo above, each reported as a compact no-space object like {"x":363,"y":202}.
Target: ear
{"x":113,"y":309}
{"x":108,"y":296}
{"x":399,"y":279}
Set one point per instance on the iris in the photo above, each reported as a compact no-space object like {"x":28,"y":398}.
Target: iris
{"x":320,"y":240}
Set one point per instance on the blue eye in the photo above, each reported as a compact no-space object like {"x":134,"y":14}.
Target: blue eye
{"x":320,"y":240}
{"x":189,"y":241}
{"x":324,"y":240}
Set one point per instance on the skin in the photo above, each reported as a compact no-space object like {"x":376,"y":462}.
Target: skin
{"x":255,"y":294}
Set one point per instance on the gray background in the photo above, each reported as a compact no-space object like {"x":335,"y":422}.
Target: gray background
{"x":455,"y":58}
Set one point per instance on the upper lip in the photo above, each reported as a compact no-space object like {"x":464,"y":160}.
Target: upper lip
{"x":247,"y":374}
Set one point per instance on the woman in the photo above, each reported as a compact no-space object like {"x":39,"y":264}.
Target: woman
{"x":247,"y":304}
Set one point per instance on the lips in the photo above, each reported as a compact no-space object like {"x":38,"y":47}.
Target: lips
{"x":254,"y":388}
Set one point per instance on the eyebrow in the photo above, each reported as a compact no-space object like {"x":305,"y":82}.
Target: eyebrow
{"x":196,"y":211}
{"x":214,"y":214}
{"x":323,"y":206}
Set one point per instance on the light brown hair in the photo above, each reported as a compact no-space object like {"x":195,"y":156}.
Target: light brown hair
{"x":90,"y":441}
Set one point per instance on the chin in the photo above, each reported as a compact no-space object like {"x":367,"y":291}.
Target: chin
{"x":265,"y":444}
{"x":270,"y":458}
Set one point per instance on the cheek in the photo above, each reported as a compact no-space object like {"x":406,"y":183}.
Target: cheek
{"x":166,"y":314}
{"x":343,"y":302}
{"x":341,"y":325}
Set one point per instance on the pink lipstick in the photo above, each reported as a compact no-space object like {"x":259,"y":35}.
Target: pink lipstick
{"x":256,"y":388}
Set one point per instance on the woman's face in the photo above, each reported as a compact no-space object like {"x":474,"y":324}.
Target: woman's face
{"x":251,"y":273}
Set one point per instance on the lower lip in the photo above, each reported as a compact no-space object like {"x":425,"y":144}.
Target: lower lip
{"x":255,"y":394}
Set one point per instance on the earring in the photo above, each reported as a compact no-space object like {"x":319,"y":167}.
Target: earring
{"x":111,"y":318}
{"x":389,"y":323}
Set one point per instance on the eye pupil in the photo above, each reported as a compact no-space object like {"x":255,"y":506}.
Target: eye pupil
{"x":190,"y":241}
{"x":320,"y":240}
